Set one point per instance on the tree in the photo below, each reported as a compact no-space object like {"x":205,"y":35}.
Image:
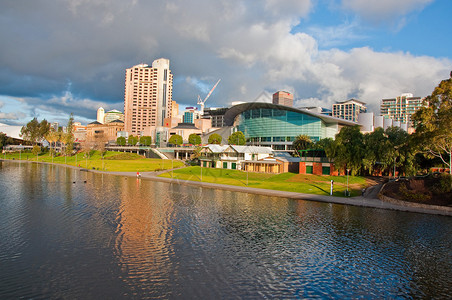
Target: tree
{"x":401,"y":150}
{"x":194,"y":139}
{"x":349,"y":149}
{"x":132,"y":140}
{"x":52,"y":137}
{"x":377,"y":151}
{"x":3,"y":139}
{"x":175,"y":140}
{"x":215,"y":138}
{"x":433,"y":123}
{"x":34,"y":131}
{"x":146,"y":140}
{"x":237,"y":138}
{"x":121,"y":141}
{"x":302,"y":142}
{"x":327,"y":145}
{"x":69,"y":137}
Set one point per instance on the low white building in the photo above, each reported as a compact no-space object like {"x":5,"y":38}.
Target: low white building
{"x":232,"y":156}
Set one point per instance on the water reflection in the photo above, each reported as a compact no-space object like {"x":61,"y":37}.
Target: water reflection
{"x":71,"y":234}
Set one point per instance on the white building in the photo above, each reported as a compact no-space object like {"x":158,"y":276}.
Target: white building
{"x":100,"y":115}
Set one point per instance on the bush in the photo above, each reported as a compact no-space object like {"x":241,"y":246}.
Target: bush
{"x":444,"y":185}
{"x":410,"y":195}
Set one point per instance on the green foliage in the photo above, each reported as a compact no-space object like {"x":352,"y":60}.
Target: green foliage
{"x":121,"y":141}
{"x":146,"y":140}
{"x":411,"y":195}
{"x":377,"y":151}
{"x":328,"y":145}
{"x":68,"y":136}
{"x":175,"y":140}
{"x":302,"y":142}
{"x":3,"y":139}
{"x":215,"y":138}
{"x":36,"y":150}
{"x":194,"y":139}
{"x":444,"y":185}
{"x":132,"y":140}
{"x":349,"y":149}
{"x":237,"y":138}
{"x":433,"y":123}
{"x":34,"y":131}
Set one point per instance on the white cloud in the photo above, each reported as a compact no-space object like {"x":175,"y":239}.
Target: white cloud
{"x":334,"y":36}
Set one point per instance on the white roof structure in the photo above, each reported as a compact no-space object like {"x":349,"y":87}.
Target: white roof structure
{"x":11,"y":131}
{"x":252,"y":149}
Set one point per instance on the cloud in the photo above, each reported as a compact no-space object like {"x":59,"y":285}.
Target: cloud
{"x":72,"y":56}
{"x":334,"y":36}
{"x":384,"y":10}
{"x":10,"y":116}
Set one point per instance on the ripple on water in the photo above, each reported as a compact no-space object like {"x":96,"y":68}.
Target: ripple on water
{"x":113,"y":238}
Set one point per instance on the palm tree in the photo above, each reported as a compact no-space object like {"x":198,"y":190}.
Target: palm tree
{"x":52,"y":137}
{"x":302,"y":142}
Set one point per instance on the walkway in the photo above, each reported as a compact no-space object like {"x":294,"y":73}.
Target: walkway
{"x":370,"y":198}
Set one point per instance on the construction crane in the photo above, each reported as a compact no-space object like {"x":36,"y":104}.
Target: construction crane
{"x":201,"y":102}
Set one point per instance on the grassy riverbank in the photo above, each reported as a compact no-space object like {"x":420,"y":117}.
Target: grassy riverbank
{"x":308,"y":184}
{"x":112,"y":161}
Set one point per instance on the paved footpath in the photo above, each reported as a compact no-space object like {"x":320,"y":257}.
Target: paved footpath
{"x":369,"y":199}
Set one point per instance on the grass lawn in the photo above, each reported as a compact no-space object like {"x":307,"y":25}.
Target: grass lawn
{"x":308,"y":184}
{"x":112,"y":161}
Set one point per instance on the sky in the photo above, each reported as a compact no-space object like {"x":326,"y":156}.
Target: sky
{"x":70,"y":56}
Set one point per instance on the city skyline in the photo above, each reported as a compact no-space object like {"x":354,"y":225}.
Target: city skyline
{"x":72,"y":56}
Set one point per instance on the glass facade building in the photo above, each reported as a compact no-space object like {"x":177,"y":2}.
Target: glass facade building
{"x":267,"y":124}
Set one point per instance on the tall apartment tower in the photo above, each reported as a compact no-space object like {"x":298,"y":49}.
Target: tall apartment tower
{"x":283,"y":98}
{"x":349,"y":110}
{"x":401,"y":108}
{"x":100,"y":115}
{"x":147,"y":96}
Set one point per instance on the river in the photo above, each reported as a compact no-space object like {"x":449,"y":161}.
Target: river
{"x":65,"y":233}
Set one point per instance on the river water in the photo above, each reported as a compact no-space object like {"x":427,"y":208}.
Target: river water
{"x":66,"y":233}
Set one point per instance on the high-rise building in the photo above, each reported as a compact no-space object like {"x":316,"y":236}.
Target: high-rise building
{"x":100,"y":115}
{"x":147,"y":96}
{"x":113,"y":115}
{"x":349,"y":110}
{"x":175,"y":109}
{"x":401,"y":108}
{"x":283,"y":98}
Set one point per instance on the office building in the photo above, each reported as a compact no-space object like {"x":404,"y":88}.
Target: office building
{"x":276,"y":126}
{"x":216,"y":115}
{"x":147,"y":96}
{"x":283,"y":98}
{"x":349,"y":110}
{"x":401,"y":108}
{"x":113,"y":115}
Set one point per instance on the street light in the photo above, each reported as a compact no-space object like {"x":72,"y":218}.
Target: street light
{"x":348,"y":170}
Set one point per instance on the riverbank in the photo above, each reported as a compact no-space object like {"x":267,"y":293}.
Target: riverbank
{"x":369,"y":199}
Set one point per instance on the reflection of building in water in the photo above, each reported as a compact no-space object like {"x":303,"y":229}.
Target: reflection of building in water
{"x":143,"y":231}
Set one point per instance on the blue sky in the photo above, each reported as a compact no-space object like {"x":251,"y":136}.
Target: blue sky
{"x":70,"y":56}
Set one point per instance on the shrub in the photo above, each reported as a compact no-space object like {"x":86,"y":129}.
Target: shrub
{"x":411,"y":195}
{"x":444,"y":185}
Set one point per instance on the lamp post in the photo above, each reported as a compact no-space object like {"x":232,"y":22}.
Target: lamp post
{"x":348,"y":170}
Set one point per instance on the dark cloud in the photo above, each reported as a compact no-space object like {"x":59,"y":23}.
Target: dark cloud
{"x":81,"y":48}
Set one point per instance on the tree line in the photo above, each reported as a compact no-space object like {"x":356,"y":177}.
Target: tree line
{"x":393,"y":148}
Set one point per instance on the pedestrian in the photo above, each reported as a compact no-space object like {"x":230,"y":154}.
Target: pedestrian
{"x":362,"y":192}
